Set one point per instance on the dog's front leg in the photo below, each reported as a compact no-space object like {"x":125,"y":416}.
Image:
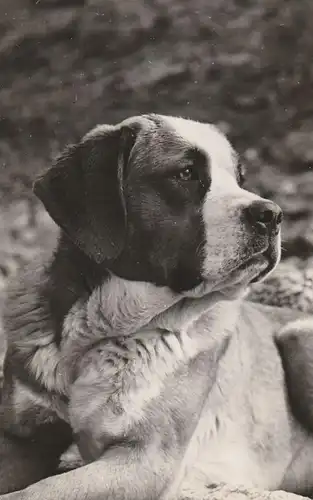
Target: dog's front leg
{"x":129,"y":460}
{"x":295,"y":345}
{"x":123,"y":472}
{"x":32,"y":437}
{"x":25,"y":461}
{"x":130,"y":456}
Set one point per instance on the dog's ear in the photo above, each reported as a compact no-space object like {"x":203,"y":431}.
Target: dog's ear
{"x":83,"y":191}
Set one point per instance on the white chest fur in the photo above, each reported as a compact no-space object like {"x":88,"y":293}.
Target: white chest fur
{"x":243,"y":436}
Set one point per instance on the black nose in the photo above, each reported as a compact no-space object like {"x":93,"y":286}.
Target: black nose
{"x":264,"y":213}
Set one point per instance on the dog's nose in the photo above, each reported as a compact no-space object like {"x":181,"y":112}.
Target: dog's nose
{"x":265,"y":214}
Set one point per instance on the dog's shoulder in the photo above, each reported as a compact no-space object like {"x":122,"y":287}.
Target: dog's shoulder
{"x":25,"y":301}
{"x":38,"y":300}
{"x":43,"y":292}
{"x":27,"y":319}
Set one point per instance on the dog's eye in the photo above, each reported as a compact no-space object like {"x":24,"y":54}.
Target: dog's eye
{"x":241,"y":174}
{"x":187,"y":174}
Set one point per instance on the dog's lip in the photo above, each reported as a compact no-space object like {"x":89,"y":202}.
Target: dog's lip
{"x":258,"y":259}
{"x":268,"y":255}
{"x":256,"y":265}
{"x":264,"y":256}
{"x":262,"y":273}
{"x":255,"y":259}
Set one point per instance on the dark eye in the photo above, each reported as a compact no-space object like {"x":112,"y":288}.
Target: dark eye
{"x":187,"y":174}
{"x":241,"y":174}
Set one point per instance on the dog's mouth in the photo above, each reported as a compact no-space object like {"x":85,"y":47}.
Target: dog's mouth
{"x":265,"y":259}
{"x":261,"y":263}
{"x":251,"y":270}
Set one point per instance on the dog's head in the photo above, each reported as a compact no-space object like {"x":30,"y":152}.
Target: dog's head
{"x":160,"y":199}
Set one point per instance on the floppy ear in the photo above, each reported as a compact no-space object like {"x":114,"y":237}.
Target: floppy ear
{"x":83,"y":191}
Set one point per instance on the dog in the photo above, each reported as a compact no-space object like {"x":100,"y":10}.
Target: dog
{"x":133,"y":338}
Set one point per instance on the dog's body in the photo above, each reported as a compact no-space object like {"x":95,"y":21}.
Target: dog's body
{"x":166,"y":378}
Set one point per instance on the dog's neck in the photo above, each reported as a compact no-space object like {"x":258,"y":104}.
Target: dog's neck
{"x":71,"y":275}
{"x":73,"y":264}
{"x":119,"y":308}
{"x":106,"y":306}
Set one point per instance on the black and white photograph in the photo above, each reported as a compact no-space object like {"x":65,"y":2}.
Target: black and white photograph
{"x":156,"y":249}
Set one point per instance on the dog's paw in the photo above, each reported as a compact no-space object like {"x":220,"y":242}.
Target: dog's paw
{"x":295,"y":345}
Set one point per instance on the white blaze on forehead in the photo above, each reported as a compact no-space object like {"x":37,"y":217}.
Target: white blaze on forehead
{"x":207,"y":138}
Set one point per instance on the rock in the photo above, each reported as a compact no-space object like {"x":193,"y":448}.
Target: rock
{"x":290,"y":285}
{"x":225,"y":492}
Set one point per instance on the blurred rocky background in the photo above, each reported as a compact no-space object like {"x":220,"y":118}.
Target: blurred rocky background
{"x":66,"y":65}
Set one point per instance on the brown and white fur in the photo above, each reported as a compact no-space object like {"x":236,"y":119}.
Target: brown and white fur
{"x":133,"y":339}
